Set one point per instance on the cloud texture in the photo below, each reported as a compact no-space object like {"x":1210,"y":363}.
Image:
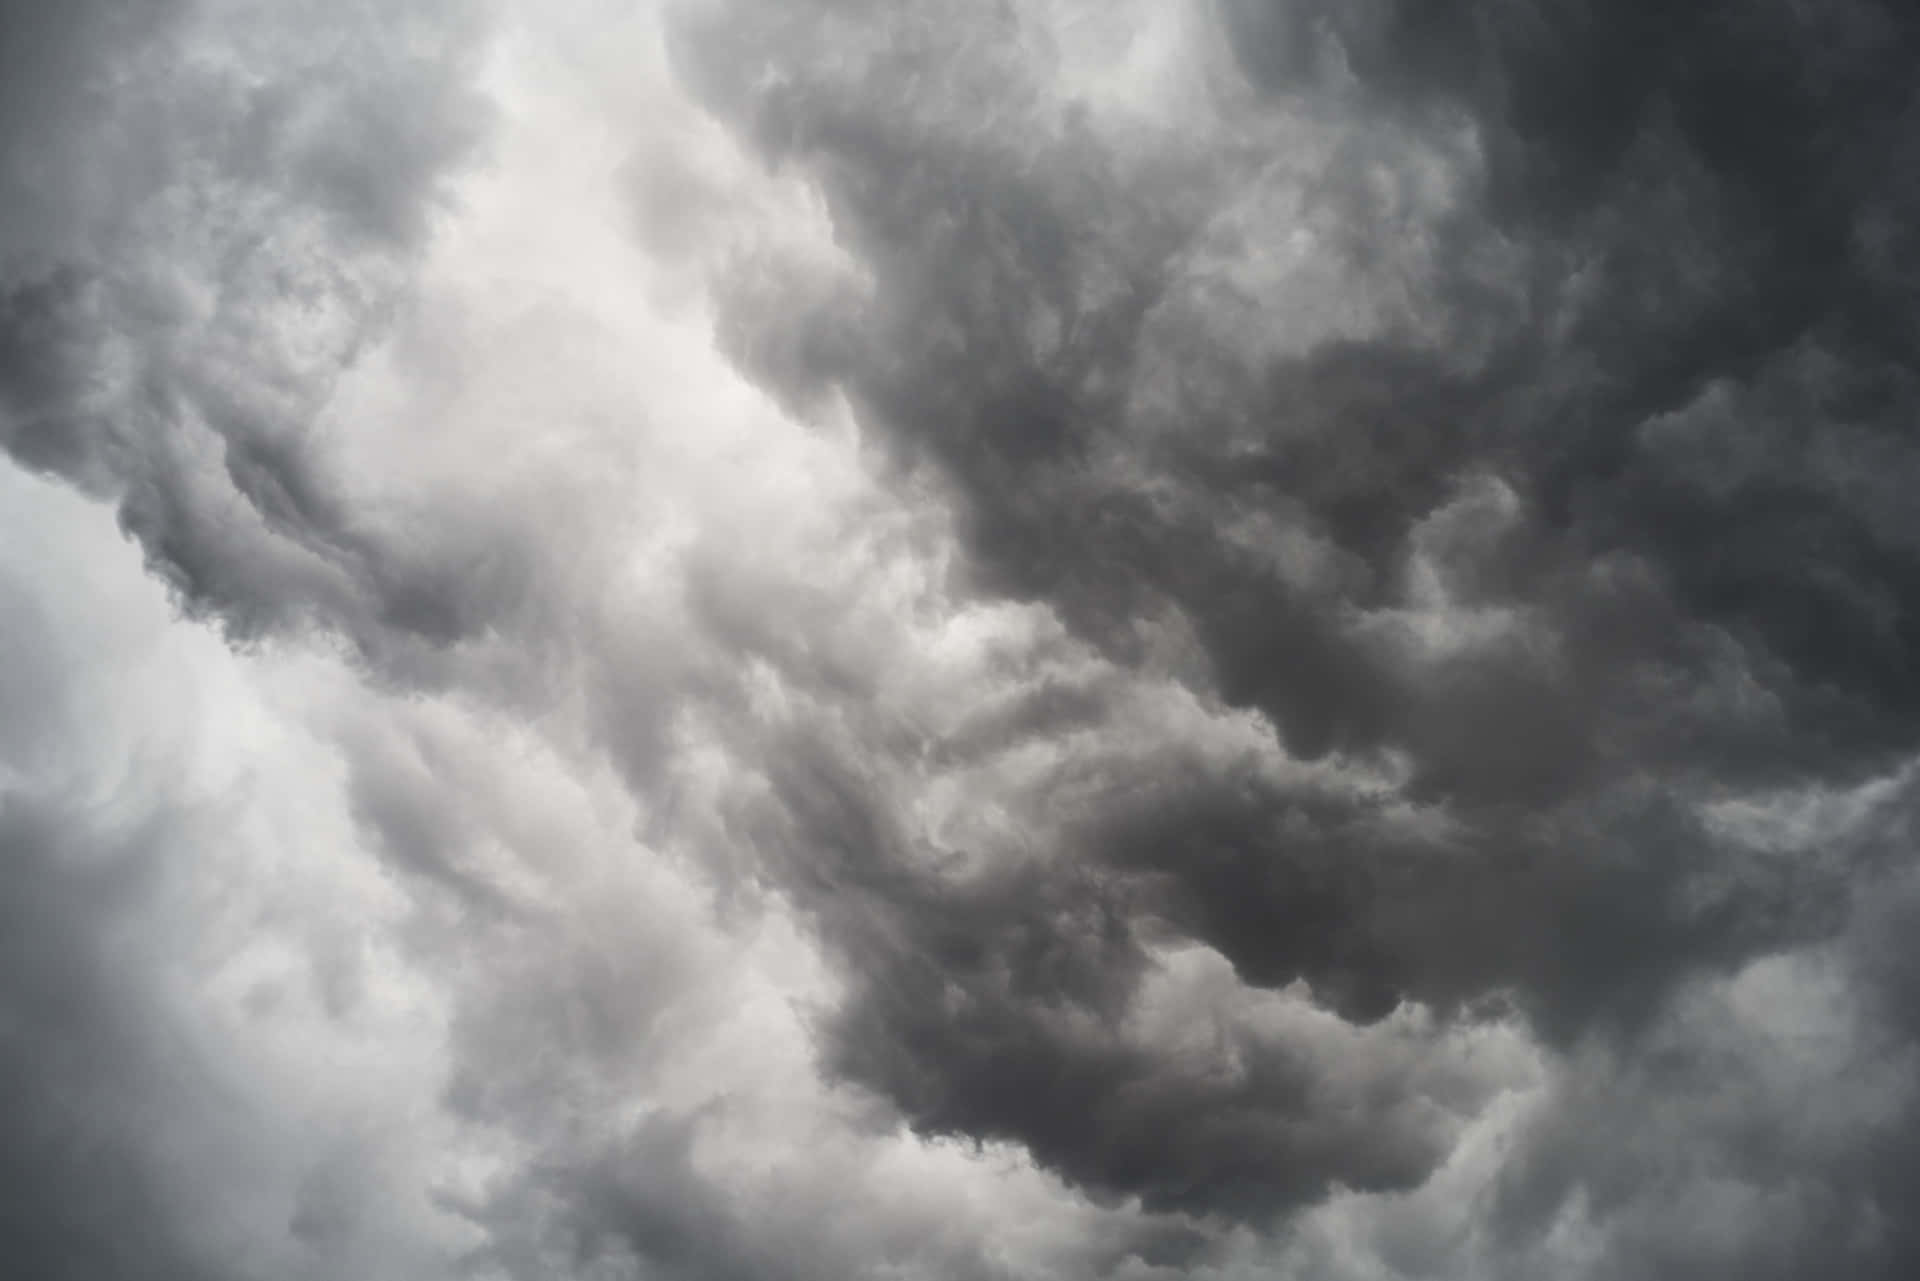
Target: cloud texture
{"x":829,"y":639}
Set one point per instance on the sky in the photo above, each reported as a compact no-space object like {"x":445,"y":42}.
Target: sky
{"x":878,"y":640}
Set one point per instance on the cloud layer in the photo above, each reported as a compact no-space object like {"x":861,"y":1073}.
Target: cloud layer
{"x":828,"y":639}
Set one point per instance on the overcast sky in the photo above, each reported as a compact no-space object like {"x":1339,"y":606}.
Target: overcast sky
{"x":878,"y":640}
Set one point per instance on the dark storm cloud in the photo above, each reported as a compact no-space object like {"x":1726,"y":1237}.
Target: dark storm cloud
{"x":1756,"y":1129}
{"x":1433,"y":618}
{"x":1594,"y":513}
{"x":1633,"y":307}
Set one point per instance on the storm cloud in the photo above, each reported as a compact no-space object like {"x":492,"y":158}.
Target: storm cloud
{"x":761,"y":638}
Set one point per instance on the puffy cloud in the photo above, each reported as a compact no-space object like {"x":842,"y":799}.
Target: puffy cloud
{"x":1262,"y":638}
{"x":1391,"y":365}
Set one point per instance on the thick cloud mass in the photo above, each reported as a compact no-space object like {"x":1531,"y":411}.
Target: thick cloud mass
{"x":810,"y":638}
{"x":1484,"y":392}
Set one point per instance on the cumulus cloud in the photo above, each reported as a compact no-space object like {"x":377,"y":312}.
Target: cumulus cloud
{"x":744,"y":639}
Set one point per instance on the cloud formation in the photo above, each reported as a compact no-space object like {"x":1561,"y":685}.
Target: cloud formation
{"x":826,"y":639}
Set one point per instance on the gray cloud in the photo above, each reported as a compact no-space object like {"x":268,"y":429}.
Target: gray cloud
{"x":79,"y":1059}
{"x":230,"y":201}
{"x":1556,"y":492}
{"x":1292,"y":660}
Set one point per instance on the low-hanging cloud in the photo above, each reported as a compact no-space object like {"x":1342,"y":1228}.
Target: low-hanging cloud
{"x":824,"y":639}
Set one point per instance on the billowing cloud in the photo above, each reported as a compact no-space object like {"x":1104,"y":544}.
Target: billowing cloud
{"x":825,"y":639}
